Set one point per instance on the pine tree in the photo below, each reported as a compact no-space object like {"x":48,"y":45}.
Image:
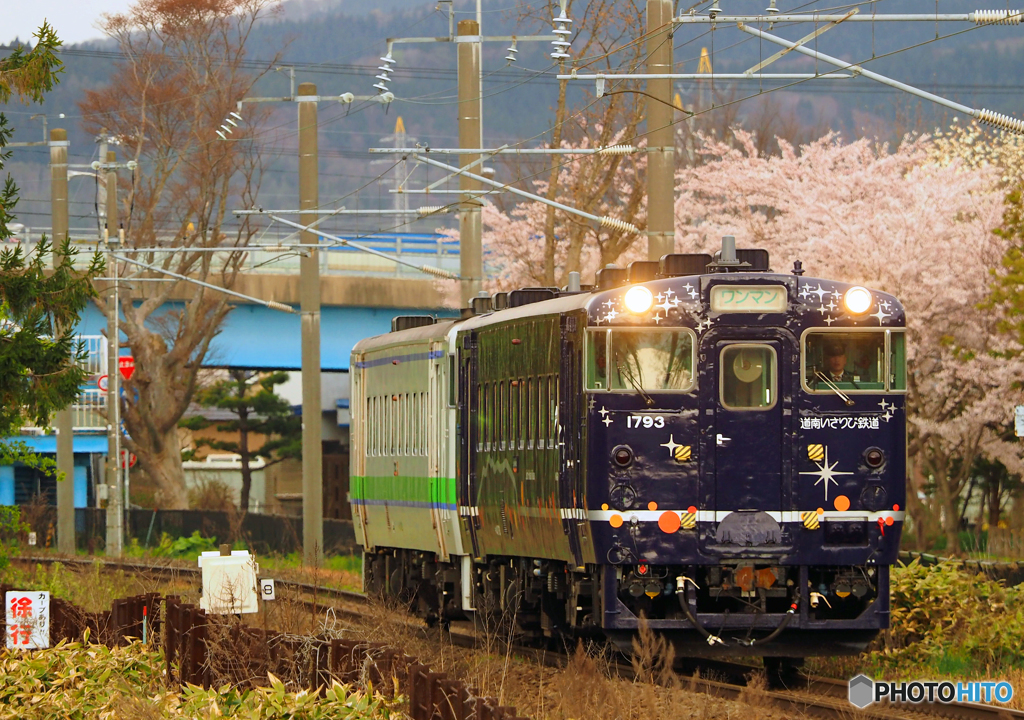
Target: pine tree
{"x":258,"y":410}
{"x":39,"y":308}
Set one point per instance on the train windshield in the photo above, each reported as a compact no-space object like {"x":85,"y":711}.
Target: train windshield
{"x":641,"y":360}
{"x":865,"y":361}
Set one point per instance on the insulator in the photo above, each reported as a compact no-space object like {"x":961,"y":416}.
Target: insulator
{"x":388,"y":59}
{"x":997,"y":17}
{"x":559,"y":55}
{"x":562,"y":31}
{"x":384,"y":68}
{"x":383,"y":77}
{"x":430,"y":209}
{"x":438,"y":272}
{"x":1004,"y":122}
{"x":562,"y":18}
{"x":617,"y":150}
{"x":560,"y":43}
{"x":617,"y":224}
{"x":381,"y":86}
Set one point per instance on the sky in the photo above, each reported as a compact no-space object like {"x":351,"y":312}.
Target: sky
{"x":74,"y":20}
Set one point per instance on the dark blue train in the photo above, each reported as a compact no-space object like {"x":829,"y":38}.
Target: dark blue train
{"x":703,"y":443}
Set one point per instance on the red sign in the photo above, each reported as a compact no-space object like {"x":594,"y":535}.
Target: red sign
{"x":131,"y":458}
{"x":126,"y":364}
{"x":103,"y":383}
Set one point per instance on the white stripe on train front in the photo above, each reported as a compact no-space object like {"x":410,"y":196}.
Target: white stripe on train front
{"x":782,"y":516}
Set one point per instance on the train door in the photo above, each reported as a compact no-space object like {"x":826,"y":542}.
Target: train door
{"x":468,"y":500}
{"x":742,"y":403}
{"x":570,"y":480}
{"x":442,"y":499}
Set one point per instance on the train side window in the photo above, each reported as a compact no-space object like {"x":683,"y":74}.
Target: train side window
{"x":368,"y":425}
{"x":513,"y":391}
{"x":499,"y":416}
{"x":415,"y":437}
{"x":748,"y":377}
{"x":531,"y":415}
{"x":452,"y":381}
{"x":597,"y":359}
{"x":372,"y":426}
{"x":542,"y":405}
{"x":897,"y":361}
{"x":555,"y":398}
{"x":523,"y":412}
{"x":481,"y":416}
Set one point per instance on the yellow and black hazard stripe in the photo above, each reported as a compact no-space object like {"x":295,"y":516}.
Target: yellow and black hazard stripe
{"x":816,"y":452}
{"x":688,"y":520}
{"x":682,"y":453}
{"x":811,"y":520}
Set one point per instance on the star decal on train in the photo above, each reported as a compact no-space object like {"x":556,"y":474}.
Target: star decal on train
{"x":826,"y":473}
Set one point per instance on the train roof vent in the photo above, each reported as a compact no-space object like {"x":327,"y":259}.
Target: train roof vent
{"x":481,"y":304}
{"x":611,"y":277}
{"x":643,"y":271}
{"x":406,"y":322}
{"x":675,"y":264}
{"x":757,"y":258}
{"x":525,"y":296}
{"x":499,"y":301}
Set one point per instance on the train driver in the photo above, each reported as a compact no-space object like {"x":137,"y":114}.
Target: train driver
{"x":835,"y":363}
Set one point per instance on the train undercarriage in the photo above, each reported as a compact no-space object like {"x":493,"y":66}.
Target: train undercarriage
{"x":738,"y":608}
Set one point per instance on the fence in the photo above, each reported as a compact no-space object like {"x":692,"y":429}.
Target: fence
{"x":1006,"y":543}
{"x":263,"y":534}
{"x":211,"y":651}
{"x":109,"y":627}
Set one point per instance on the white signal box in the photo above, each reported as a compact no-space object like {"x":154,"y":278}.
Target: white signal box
{"x":28,"y":619}
{"x":229,"y":583}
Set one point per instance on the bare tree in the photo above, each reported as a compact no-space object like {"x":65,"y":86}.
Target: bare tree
{"x":184,"y":68}
{"x":609,"y":36}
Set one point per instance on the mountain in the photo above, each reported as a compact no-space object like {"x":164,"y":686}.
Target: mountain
{"x":337,"y":45}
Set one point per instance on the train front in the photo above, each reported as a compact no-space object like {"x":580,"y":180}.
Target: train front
{"x":745,"y":458}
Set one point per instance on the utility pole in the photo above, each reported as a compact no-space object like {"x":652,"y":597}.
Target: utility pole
{"x":309,"y":297}
{"x":115,"y":489}
{"x":471,"y":266}
{"x":64,"y":418}
{"x":661,"y":144}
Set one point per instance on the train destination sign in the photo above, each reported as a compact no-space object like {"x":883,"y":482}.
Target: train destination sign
{"x":748,"y":298}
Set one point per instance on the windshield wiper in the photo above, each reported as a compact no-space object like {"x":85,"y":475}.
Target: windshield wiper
{"x":833,"y":387}
{"x":632,"y":381}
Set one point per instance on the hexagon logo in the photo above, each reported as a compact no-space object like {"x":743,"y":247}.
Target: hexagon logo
{"x":862,"y":691}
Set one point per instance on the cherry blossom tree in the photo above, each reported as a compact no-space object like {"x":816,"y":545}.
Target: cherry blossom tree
{"x":907,"y":221}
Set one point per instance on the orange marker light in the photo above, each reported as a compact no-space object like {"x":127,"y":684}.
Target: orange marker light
{"x":604,"y":506}
{"x":896,"y":508}
{"x":669,"y":522}
{"x":652,"y":505}
{"x":820,"y":511}
{"x":888,"y":521}
{"x":615,"y":521}
{"x":692,"y":510}
{"x":842,"y":503}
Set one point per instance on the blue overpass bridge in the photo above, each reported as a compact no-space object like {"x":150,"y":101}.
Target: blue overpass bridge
{"x":360,"y":294}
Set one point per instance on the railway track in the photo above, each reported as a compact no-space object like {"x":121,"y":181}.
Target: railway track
{"x":810,"y":696}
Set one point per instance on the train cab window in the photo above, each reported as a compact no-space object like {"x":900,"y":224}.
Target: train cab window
{"x":748,"y":377}
{"x":648,"y":360}
{"x":897,"y":361}
{"x":848,"y":361}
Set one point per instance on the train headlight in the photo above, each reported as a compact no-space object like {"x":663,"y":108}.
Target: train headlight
{"x":857,"y":300}
{"x":639,"y":299}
